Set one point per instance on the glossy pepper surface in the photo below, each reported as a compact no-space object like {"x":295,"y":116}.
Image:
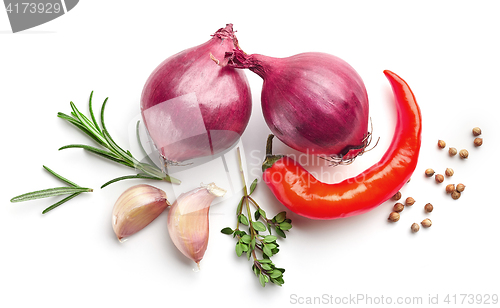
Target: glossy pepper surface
{"x":303,"y":194}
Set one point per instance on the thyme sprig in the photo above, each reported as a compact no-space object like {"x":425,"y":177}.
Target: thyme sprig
{"x":111,"y":151}
{"x":72,"y":190}
{"x":254,"y":241}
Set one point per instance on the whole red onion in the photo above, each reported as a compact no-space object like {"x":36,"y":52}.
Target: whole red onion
{"x":314,"y":102}
{"x":192,"y":107}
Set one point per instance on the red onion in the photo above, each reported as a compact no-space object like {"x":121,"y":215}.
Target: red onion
{"x":314,"y":102}
{"x":192,"y":107}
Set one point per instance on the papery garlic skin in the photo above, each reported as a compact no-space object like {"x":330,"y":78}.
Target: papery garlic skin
{"x":188,"y":220}
{"x":136,"y":208}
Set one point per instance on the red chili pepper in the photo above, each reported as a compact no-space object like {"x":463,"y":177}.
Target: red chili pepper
{"x":303,"y":194}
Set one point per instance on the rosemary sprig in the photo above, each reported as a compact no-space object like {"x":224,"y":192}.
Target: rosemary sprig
{"x":72,"y":190}
{"x":254,"y":241}
{"x":111,"y":151}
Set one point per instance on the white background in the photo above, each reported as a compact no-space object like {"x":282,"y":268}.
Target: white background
{"x":448,"y":52}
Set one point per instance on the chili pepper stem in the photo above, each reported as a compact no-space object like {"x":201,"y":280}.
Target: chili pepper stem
{"x":270,"y":158}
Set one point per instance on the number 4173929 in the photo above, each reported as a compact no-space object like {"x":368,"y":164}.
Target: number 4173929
{"x":33,"y":8}
{"x":466,"y":298}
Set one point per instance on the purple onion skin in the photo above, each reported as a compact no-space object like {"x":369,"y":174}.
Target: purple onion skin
{"x":222,"y":94}
{"x":315,"y":103}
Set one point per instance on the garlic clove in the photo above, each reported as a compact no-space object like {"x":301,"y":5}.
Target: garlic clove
{"x":136,"y":208}
{"x":188,"y":220}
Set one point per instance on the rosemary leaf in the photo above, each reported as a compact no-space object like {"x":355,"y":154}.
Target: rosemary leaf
{"x":137,"y":176}
{"x":60,"y":177}
{"x":50,"y":192}
{"x":53,"y":206}
{"x":115,"y":148}
{"x":82,"y":127}
{"x":92,"y":113}
{"x":102,"y":113}
{"x":68,"y":118}
{"x":86,"y":122}
{"x":105,"y":154}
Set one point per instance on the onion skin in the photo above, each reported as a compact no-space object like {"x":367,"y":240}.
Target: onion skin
{"x":217,"y":108}
{"x":316,"y":103}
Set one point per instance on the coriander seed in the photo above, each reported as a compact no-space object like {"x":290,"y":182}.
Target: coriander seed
{"x":398,"y":207}
{"x":441,"y":144}
{"x":409,"y":201}
{"x":394,"y":216}
{"x":478,"y":142}
{"x":429,"y":172}
{"x":428,"y":207}
{"x":450,"y":188}
{"x":455,"y":195}
{"x":464,"y":154}
{"x":460,"y":187}
{"x":415,"y":227}
{"x":452,"y":151}
{"x":397,"y":196}
{"x":426,"y":223}
{"x":449,"y":172}
{"x":476,"y":131}
{"x":439,"y":178}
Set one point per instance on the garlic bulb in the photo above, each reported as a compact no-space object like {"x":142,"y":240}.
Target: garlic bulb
{"x":136,"y":208}
{"x":188,"y":220}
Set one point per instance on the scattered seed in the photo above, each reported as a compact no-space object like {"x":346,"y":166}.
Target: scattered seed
{"x":398,"y":207}
{"x":429,"y":172}
{"x":455,"y":195}
{"x":426,"y":223}
{"x":460,"y":187}
{"x":428,"y":207}
{"x":449,"y":172}
{"x":439,"y":178}
{"x":408,"y":181}
{"x":394,"y":216}
{"x":415,"y":227}
{"x":441,"y":144}
{"x":464,"y":154}
{"x":452,"y":151}
{"x":478,"y":142}
{"x":450,"y":188}
{"x":476,"y":131}
{"x":409,"y":201}
{"x":397,"y":196}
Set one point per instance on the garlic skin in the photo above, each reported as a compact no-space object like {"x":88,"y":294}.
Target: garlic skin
{"x":188,"y":220}
{"x":136,"y":208}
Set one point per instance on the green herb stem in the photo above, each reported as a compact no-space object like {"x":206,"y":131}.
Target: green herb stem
{"x":263,"y":268}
